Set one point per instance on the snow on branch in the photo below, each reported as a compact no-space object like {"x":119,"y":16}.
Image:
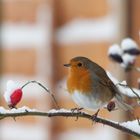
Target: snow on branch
{"x":124,"y":88}
{"x":128,"y":91}
{"x":131,"y":127}
{"x":14,"y":93}
{"x":125,"y":54}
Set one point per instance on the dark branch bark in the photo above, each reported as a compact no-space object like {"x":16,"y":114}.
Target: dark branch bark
{"x":67,"y":113}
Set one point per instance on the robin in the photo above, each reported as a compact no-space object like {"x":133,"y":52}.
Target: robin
{"x":89,"y":85}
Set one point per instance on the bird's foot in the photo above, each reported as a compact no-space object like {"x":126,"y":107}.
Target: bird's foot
{"x":94,"y":116}
{"x":76,"y":109}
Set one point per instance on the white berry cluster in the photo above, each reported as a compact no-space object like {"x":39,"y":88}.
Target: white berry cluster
{"x":125,"y":53}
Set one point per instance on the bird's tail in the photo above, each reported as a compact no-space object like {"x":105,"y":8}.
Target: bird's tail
{"x":122,"y":104}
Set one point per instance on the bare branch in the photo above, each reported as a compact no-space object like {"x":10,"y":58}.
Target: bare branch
{"x":127,"y":86}
{"x":45,"y":88}
{"x":69,"y":113}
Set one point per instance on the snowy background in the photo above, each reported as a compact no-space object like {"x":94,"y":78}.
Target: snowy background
{"x":35,"y":48}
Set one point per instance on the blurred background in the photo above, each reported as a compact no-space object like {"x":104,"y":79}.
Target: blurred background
{"x":38,"y":37}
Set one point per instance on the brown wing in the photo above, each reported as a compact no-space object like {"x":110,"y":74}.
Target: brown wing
{"x":101,"y":77}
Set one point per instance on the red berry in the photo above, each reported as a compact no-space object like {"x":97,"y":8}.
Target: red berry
{"x":111,"y":106}
{"x":16,"y":97}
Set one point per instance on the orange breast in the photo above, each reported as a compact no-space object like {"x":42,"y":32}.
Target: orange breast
{"x":79,"y":80}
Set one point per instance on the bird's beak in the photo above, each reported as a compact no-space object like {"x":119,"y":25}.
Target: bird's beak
{"x":67,"y":65}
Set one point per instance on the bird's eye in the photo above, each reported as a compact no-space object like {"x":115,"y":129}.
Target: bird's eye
{"x":79,"y":64}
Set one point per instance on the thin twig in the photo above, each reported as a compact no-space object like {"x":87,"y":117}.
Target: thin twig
{"x":46,"y":89}
{"x":130,"y":89}
{"x":68,"y":113}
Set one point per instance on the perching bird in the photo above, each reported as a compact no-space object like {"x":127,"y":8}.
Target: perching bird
{"x":89,"y":85}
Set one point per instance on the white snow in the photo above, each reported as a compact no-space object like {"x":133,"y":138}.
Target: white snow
{"x":60,"y":110}
{"x":3,"y":110}
{"x":10,"y":87}
{"x":81,"y":30}
{"x":127,"y":60}
{"x":15,"y":35}
{"x":31,"y":90}
{"x":125,"y":90}
{"x":128,"y":91}
{"x":18,"y":110}
{"x":115,"y":49}
{"x":25,"y":108}
{"x":123,"y":83}
{"x":128,"y":43}
{"x":133,"y":125}
{"x":113,"y":79}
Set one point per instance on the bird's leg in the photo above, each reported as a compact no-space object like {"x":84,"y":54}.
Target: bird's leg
{"x":78,"y":111}
{"x":94,"y":116}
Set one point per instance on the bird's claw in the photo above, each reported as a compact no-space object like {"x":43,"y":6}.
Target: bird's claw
{"x":94,"y":116}
{"x":76,"y":109}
